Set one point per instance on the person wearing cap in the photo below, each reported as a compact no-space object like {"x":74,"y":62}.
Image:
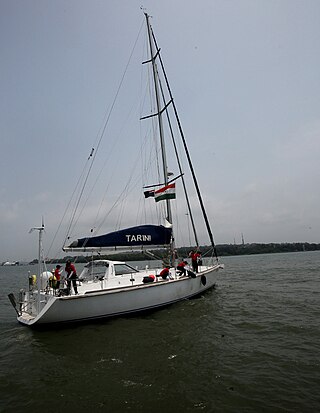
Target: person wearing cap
{"x":71,"y":276}
{"x":57,"y":274}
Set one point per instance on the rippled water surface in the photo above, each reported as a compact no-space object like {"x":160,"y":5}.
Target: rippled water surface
{"x":250,"y":345}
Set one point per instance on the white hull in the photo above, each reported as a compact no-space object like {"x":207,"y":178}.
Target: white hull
{"x":110,"y":302}
{"x":109,"y":288}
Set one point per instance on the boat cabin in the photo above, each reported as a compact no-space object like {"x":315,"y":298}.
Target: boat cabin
{"x":106,"y":270}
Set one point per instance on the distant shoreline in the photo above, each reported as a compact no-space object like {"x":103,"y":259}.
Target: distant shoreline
{"x":222,"y":249}
{"x":256,"y":248}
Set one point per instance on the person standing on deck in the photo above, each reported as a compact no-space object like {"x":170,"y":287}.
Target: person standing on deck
{"x":57,"y":274}
{"x":71,"y":276}
{"x":195,"y":256}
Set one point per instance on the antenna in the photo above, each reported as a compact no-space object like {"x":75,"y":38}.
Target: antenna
{"x":41,"y":230}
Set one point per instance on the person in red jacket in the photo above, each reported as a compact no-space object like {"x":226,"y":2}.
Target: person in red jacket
{"x":195,"y":256}
{"x":181,"y":268}
{"x":71,"y":276}
{"x":57,"y":274}
{"x":165,"y":273}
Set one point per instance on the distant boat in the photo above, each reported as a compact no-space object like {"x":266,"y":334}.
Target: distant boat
{"x":10,"y":263}
{"x":108,"y":288}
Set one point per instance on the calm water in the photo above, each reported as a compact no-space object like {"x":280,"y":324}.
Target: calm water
{"x":250,"y":345}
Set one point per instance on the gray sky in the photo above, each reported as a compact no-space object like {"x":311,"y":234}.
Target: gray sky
{"x":245,"y":76}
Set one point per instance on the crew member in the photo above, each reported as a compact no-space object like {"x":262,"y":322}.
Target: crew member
{"x":71,"y":276}
{"x":164,"y":273}
{"x":195,"y":256}
{"x":57,"y":274}
{"x":181,"y":268}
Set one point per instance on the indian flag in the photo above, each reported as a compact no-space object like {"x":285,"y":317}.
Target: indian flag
{"x":167,"y":192}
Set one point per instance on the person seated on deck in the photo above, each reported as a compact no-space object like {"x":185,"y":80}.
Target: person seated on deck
{"x":181,"y":268}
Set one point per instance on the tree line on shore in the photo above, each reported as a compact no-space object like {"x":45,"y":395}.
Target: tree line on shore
{"x":222,"y":249}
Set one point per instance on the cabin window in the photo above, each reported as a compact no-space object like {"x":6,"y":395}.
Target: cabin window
{"x":98,"y":271}
{"x":121,"y":269}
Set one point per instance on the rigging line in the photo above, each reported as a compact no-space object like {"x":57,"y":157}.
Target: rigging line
{"x":144,"y":83}
{"x":126,"y":191}
{"x":159,"y":115}
{"x":131,"y":176}
{"x":145,"y":91}
{"x":142,"y":145}
{"x":104,"y":128}
{"x":122,"y":194}
{"x":119,"y":88}
{"x":152,"y":130}
{"x":162,"y":183}
{"x":145,"y":154}
{"x":179,"y":166}
{"x":122,"y":209}
{"x":141,"y":212}
{"x":110,"y":152}
{"x":116,"y":202}
{"x":124,"y":124}
{"x":79,"y":199}
{"x":66,"y":210}
{"x":148,"y":170}
{"x":154,"y":124}
{"x":145,"y":166}
{"x":188,"y":155}
{"x":151,"y":134}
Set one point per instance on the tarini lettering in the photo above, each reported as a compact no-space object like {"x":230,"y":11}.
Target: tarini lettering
{"x":142,"y":238}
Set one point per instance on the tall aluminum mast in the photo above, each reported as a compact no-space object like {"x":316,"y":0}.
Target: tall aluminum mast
{"x":206,"y":220}
{"x":159,"y":115}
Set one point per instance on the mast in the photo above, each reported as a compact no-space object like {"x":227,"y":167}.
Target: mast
{"x":181,"y":172}
{"x":159,"y":115}
{"x":154,"y":55}
{"x":205,"y":217}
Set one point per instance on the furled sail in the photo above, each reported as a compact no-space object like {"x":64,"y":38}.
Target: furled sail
{"x":139,"y":236}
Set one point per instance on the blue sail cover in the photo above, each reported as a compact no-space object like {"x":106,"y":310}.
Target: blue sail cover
{"x":141,"y":235}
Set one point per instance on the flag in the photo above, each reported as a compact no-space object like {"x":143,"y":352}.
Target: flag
{"x":167,"y":192}
{"x":147,"y":194}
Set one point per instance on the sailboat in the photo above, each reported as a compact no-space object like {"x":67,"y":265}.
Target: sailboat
{"x":109,"y":288}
